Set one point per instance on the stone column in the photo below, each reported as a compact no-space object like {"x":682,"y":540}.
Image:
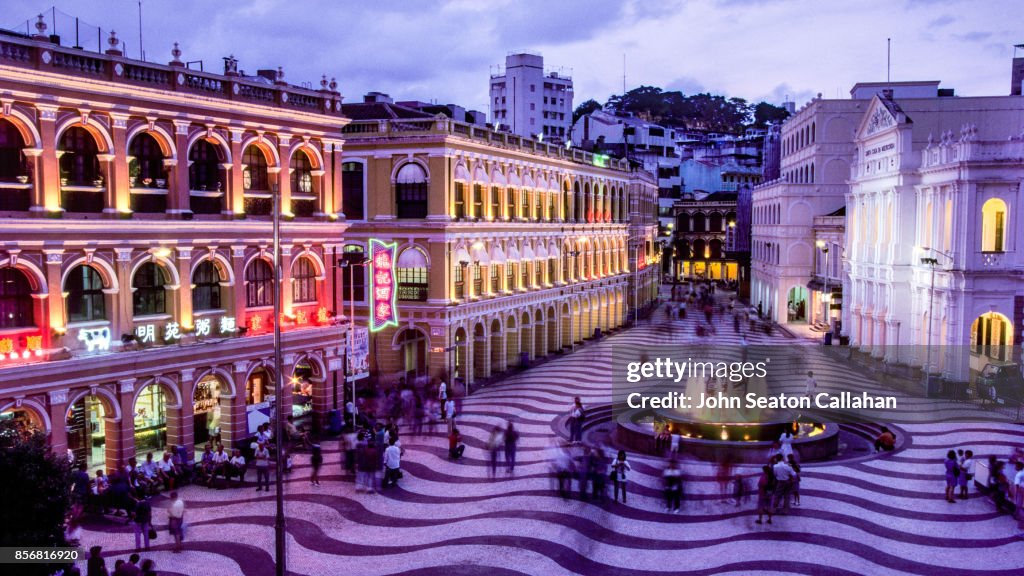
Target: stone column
{"x":235,"y":203}
{"x":286,"y":280}
{"x":123,"y":313}
{"x":180,"y":421}
{"x":334,"y":192}
{"x":117,"y":182}
{"x":58,"y":405}
{"x":284,"y":179}
{"x":179,"y":201}
{"x":120,"y":433}
{"x":284,"y":395}
{"x":48,"y":175}
{"x":238,"y":290}
{"x":37,"y":202}
{"x":183,"y":263}
{"x":234,"y":423}
{"x":55,"y":301}
{"x":112,"y":200}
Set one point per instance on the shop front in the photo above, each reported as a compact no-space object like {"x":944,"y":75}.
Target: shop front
{"x":259,"y":399}
{"x":86,"y":430}
{"x":150,"y":421}
{"x":206,"y":410}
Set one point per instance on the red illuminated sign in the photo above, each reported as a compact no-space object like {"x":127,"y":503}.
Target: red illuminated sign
{"x":382,"y":285}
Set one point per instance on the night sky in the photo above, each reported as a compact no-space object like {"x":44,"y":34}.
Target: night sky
{"x":444,"y":51}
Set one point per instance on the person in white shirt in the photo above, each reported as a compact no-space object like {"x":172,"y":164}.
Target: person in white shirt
{"x":220,"y":463}
{"x":262,"y":458}
{"x":392,"y":463}
{"x":784,"y":477}
{"x":966,"y":473}
{"x":449,"y":414}
{"x":812,"y":384}
{"x":167,"y":471}
{"x":442,"y":392}
{"x":786,"y":444}
{"x":236,"y":467}
{"x":149,"y":468}
{"x":176,"y":520}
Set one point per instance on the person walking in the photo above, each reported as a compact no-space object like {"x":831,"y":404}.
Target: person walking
{"x":795,"y":491}
{"x":786,"y":444}
{"x":262,"y":464}
{"x":392,"y":463}
{"x":765,"y":491}
{"x":143,"y":523}
{"x":176,"y":521}
{"x":952,"y":471}
{"x":449,"y":414}
{"x":511,"y":443}
{"x":576,"y":417}
{"x":673,"y":478}
{"x":810,"y":385}
{"x":966,"y":473}
{"x":494,"y":445}
{"x":96,"y":565}
{"x":316,"y":460}
{"x":442,"y":398}
{"x":620,"y":469}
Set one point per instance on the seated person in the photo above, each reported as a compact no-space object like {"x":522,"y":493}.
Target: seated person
{"x":204,"y":469}
{"x":236,"y":467}
{"x":220,"y":463}
{"x":166,"y":471}
{"x":886,"y":441}
{"x":150,"y":474}
{"x":119,"y":496}
{"x":294,"y":434}
{"x":183,"y":463}
{"x":455,"y":445}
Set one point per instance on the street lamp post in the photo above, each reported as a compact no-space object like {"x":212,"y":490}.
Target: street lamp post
{"x":279,"y":524}
{"x":931,"y":262}
{"x":826,"y":296}
{"x":351,"y":260}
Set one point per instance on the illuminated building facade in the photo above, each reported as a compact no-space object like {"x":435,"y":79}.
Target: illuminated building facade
{"x":508,"y":249}
{"x":136,"y":248}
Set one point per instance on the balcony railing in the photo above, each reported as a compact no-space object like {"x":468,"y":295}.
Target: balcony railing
{"x":445,"y":126}
{"x":32,"y":53}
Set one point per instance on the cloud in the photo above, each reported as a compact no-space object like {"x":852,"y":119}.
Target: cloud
{"x":941,"y":21}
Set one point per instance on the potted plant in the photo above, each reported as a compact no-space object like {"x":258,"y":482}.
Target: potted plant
{"x":23,"y":179}
{"x":147,"y":182}
{"x":98,"y":182}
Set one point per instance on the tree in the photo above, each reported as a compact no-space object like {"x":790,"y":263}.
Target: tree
{"x":765,"y":114}
{"x":585,"y":108}
{"x":36,"y":495}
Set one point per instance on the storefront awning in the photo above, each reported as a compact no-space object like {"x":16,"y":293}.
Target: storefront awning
{"x":542,"y":252}
{"x":462,"y":255}
{"x":479,"y":254}
{"x":497,"y":255}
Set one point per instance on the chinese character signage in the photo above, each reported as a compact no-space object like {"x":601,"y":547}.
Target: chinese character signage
{"x":382,"y":285}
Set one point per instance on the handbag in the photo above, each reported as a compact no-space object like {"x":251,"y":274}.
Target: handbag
{"x":152,"y":533}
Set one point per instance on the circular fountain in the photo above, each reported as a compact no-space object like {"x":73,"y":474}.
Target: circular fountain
{"x":743,"y":434}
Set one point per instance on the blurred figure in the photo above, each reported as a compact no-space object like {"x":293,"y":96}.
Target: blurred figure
{"x":673,"y":479}
{"x":511,"y":444}
{"x":620,"y":470}
{"x":598,"y":469}
{"x":494,"y":445}
{"x":765,"y":492}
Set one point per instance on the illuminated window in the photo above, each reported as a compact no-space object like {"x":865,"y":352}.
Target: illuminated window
{"x":206,"y":287}
{"x":259,"y":284}
{"x":460,"y":200}
{"x":411,"y":275}
{"x":304,"y":281}
{"x":411,"y":192}
{"x":303,"y":195}
{"x":993,"y":226}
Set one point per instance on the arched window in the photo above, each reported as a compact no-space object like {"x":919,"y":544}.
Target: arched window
{"x":149,"y":296}
{"x":303,"y":281}
{"x":303,"y":195}
{"x":85,"y":298}
{"x":259,"y":284}
{"x":206,"y":287}
{"x":715,"y":222}
{"x":15,"y":299}
{"x":699,"y":222}
{"x":78,"y":163}
{"x":993,"y":225}
{"x":13,"y":166}
{"x":411,"y":192}
{"x":411,"y":275}
{"x":256,"y":182}
{"x":146,"y":162}
{"x":146,"y":175}
{"x":204,"y":178}
{"x":79,"y":166}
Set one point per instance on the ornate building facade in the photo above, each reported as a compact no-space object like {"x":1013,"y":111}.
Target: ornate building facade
{"x":136,"y":248}
{"x":507,"y":249}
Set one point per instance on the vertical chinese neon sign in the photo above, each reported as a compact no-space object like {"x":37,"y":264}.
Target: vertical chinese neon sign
{"x":382,"y":285}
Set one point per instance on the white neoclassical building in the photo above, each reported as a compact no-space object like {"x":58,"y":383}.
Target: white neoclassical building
{"x":933,"y":231}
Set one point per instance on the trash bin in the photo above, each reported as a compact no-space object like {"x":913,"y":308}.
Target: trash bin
{"x":597,"y":333}
{"x":334,"y":421}
{"x":524,"y":359}
{"x":828,"y":338}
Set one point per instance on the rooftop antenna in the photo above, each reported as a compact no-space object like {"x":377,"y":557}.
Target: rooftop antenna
{"x":888,"y":59}
{"x":142,"y":54}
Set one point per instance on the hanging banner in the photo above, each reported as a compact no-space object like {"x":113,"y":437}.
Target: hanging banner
{"x":358,"y":353}
{"x":382,"y":285}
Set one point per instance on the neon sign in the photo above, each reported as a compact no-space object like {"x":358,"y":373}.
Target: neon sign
{"x":95,"y":338}
{"x":382,"y":285}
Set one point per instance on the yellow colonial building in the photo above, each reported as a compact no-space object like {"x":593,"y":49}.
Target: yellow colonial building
{"x":508,"y":249}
